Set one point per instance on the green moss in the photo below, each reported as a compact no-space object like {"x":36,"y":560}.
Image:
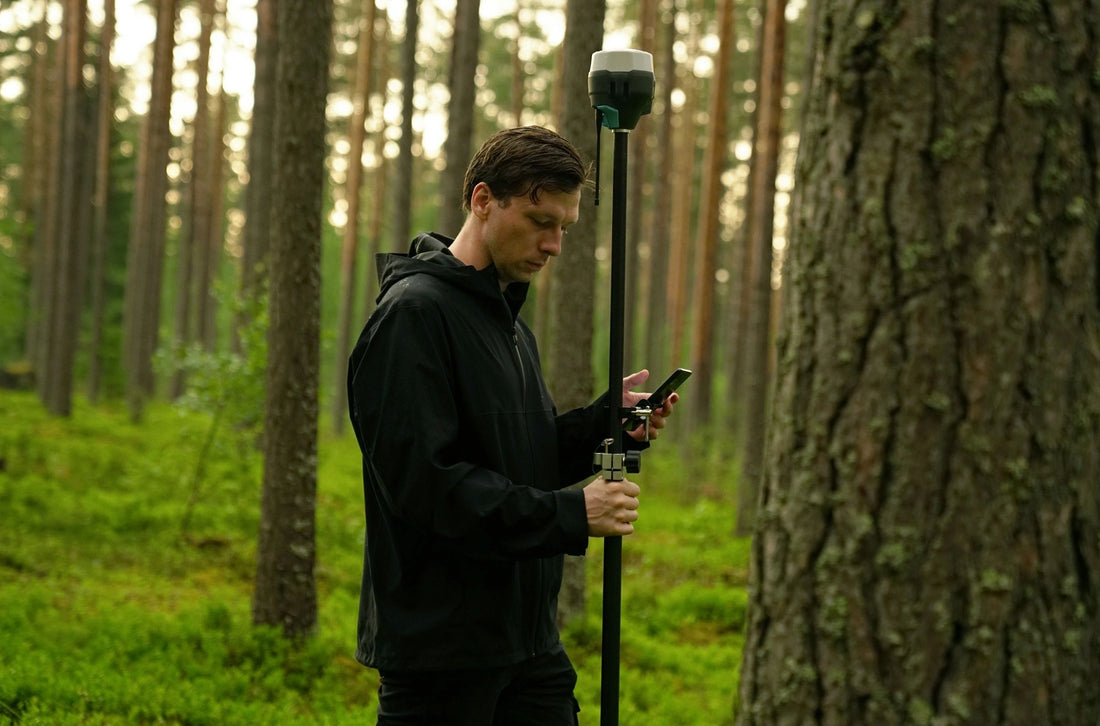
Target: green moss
{"x":1039,"y":97}
{"x":1077,"y":210}
{"x":834,"y":616}
{"x":946,"y":145}
{"x":1026,"y":12}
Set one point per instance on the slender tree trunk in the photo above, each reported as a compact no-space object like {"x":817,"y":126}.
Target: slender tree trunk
{"x":67,"y":262}
{"x":258,"y":193}
{"x":519,"y":75}
{"x":192,"y":252}
{"x":145,"y":256}
{"x":38,"y":175}
{"x":203,"y":190}
{"x":656,"y":302}
{"x":286,"y":591}
{"x":685,"y":130}
{"x":105,"y":110}
{"x":640,"y":221}
{"x":758,"y":344}
{"x":46,"y":252}
{"x":402,"y":187}
{"x":381,"y":177}
{"x":465,"y":44}
{"x":928,"y":550}
{"x":575,"y":278}
{"x":349,"y":250}
{"x":544,"y":283}
{"x":706,"y":260}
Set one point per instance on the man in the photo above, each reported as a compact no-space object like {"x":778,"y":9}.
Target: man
{"x":465,"y":459}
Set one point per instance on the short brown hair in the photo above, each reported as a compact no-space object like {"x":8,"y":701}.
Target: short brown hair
{"x":525,"y":160}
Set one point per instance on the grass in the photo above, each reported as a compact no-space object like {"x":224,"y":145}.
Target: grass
{"x":126,"y":577}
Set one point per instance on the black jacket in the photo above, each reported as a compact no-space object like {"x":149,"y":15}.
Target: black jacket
{"x":464,"y":464}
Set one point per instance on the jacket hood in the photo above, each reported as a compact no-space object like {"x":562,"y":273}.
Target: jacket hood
{"x":429,"y":254}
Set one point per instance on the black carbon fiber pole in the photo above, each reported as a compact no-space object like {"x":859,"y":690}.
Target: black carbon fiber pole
{"x":613,"y":546}
{"x":621,"y":86}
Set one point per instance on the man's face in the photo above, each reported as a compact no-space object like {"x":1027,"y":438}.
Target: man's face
{"x":520,"y":237}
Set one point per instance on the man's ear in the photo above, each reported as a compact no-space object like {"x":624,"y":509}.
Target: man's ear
{"x":480,"y":199}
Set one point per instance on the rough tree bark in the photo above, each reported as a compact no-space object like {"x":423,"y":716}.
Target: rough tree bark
{"x":929,"y":545}
{"x":286,"y":590}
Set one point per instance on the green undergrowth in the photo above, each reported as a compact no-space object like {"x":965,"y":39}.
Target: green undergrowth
{"x":126,"y":570}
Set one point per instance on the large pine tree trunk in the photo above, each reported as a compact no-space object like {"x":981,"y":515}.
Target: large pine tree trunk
{"x":929,"y":545}
{"x":286,"y":591}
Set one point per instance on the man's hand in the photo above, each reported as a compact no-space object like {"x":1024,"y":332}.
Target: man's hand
{"x":657,"y":418}
{"x":611,"y":506}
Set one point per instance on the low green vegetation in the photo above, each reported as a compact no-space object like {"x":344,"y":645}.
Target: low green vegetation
{"x":126,"y":576}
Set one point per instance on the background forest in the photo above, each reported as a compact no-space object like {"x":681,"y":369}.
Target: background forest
{"x":871,"y":228}
{"x":138,"y":186}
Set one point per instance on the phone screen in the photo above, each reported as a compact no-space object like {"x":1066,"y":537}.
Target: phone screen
{"x":663,"y":391}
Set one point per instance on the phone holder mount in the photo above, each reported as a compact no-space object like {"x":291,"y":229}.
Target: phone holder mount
{"x":614,"y":466}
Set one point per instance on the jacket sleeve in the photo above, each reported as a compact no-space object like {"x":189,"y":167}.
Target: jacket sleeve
{"x":405,"y":415}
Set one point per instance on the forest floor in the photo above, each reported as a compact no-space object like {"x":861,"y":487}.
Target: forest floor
{"x":127,"y":560}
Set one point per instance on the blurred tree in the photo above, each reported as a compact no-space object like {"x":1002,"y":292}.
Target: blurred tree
{"x":258,"y":193}
{"x":640,"y":221}
{"x":100,"y":240}
{"x":928,"y":549}
{"x":519,"y":73}
{"x":194,"y":256}
{"x":402,"y":186}
{"x":685,"y":152}
{"x":575,"y":278}
{"x":381,"y":170}
{"x":656,"y":316}
{"x":206,"y":188}
{"x":465,"y":41}
{"x":36,"y":173}
{"x":65,"y":249}
{"x":286,"y":591}
{"x":759,"y":217}
{"x":709,"y":229}
{"x":145,"y":255}
{"x":349,"y":248}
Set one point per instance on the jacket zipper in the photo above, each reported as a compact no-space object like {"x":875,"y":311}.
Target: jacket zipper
{"x":519,"y":362}
{"x":539,"y":588}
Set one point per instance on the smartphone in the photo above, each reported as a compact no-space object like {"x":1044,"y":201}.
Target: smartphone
{"x":657,"y":398}
{"x":663,"y":391}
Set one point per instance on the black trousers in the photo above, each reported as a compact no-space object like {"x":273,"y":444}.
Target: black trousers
{"x":537,"y":692}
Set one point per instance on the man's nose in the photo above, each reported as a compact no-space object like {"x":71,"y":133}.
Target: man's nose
{"x":551,"y":242}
